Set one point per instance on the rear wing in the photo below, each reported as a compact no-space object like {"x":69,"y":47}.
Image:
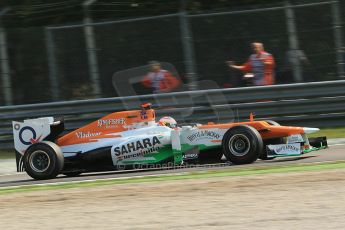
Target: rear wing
{"x":30,"y":131}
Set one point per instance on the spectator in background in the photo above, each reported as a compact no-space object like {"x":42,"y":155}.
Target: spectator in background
{"x":261,"y":64}
{"x":160,"y":80}
{"x":295,"y":58}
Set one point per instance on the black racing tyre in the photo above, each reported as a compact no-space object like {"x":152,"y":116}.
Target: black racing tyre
{"x":72,"y":174}
{"x":43,"y":160}
{"x":242,"y":144}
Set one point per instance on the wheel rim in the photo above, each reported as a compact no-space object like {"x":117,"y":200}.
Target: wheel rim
{"x":239,"y":145}
{"x":39,"y":161}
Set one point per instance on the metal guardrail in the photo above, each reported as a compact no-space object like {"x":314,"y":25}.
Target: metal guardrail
{"x":318,"y":104}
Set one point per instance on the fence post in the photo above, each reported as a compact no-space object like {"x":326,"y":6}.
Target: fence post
{"x":293,"y":43}
{"x":5,"y":68}
{"x":188,"y":48}
{"x":53,"y":77}
{"x":338,"y":39}
{"x":91,"y":49}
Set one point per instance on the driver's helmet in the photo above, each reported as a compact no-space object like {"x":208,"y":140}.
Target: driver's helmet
{"x":168,"y":121}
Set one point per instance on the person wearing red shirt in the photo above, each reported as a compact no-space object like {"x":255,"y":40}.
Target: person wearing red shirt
{"x":261,"y":64}
{"x":160,"y":80}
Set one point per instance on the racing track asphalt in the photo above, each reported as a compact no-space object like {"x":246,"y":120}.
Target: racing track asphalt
{"x":334,"y":153}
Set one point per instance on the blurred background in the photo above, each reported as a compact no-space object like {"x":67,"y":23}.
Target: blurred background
{"x":65,"y":50}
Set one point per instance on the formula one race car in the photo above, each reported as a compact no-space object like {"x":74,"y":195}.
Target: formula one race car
{"x":123,"y":139}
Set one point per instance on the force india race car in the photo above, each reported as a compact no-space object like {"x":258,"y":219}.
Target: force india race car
{"x":129,"y":138}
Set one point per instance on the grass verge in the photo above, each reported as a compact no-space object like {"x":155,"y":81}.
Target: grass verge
{"x":7,"y":155}
{"x":330,"y":133}
{"x":181,"y":176}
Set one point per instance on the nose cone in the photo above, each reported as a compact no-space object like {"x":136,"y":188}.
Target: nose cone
{"x":310,"y":130}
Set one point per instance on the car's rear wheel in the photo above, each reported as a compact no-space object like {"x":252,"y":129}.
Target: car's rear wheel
{"x":242,"y":144}
{"x":43,"y":160}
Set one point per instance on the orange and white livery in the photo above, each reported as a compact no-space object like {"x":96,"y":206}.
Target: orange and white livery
{"x":123,"y":139}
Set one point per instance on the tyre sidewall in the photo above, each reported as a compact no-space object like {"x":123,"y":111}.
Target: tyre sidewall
{"x":55,"y":157}
{"x":255,"y":142}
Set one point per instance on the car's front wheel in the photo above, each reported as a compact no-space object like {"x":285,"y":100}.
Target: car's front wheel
{"x":242,"y":144}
